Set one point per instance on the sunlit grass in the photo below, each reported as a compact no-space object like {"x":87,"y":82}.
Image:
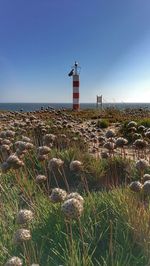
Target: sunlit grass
{"x":113,"y":229}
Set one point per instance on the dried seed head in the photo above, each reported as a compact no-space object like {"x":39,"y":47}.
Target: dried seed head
{"x":76,"y":196}
{"x":21,"y":145}
{"x":109,"y":146}
{"x":132,"y":124}
{"x":146,"y":177}
{"x":29,"y":146}
{"x":76,"y":166}
{"x":20,"y":153}
{"x":49,"y":138}
{"x":40,"y":178}
{"x":42,"y":157}
{"x":141,"y":128}
{"x":5,"y":167}
{"x":24,"y":216}
{"x":142,"y":164}
{"x":136,"y":136}
{"x":104,"y":155}
{"x":14,"y":261}
{"x":140,"y":143}
{"x":3,"y":134}
{"x":101,"y":139}
{"x":58,"y":195}
{"x":110,"y":134}
{"x":6,"y":141}
{"x":26,"y":139}
{"x":14,"y":161}
{"x":146,"y":187}
{"x":63,"y":136}
{"x":147,"y":134}
{"x":120,"y":142}
{"x":132,"y":129}
{"x":43,"y":150}
{"x":136,"y":186}
{"x":55,"y":163}
{"x":21,"y":235}
{"x":4,"y":148}
{"x":72,"y":208}
{"x":10,"y":133}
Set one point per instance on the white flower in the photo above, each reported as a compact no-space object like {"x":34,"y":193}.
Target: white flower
{"x":142,"y":164}
{"x":76,"y":196}
{"x":14,"y":261}
{"x":24,"y":216}
{"x":146,"y":187}
{"x":72,"y":208}
{"x":40,"y":178}
{"x":21,"y":235}
{"x":110,"y":134}
{"x":75,"y":166}
{"x":55,"y":163}
{"x":58,"y":195}
{"x":136,"y":186}
{"x":43,"y":150}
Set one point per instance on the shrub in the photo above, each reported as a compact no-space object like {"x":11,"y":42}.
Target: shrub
{"x":103,"y":123}
{"x":145,"y":122}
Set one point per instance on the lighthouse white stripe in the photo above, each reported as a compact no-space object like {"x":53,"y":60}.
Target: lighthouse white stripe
{"x":75,"y":77}
{"x":75,"y":101}
{"x":76,"y":89}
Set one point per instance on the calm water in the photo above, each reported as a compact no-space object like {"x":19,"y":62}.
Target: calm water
{"x":27,"y":107}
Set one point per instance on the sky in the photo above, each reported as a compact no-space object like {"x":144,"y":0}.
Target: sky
{"x":41,"y":39}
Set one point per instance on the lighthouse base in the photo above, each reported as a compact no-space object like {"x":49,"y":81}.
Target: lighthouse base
{"x":76,"y":107}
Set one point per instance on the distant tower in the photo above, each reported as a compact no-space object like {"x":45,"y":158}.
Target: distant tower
{"x":75,"y":74}
{"x":99,"y":100}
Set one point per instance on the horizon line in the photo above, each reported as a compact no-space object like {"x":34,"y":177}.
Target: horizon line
{"x":121,"y":102}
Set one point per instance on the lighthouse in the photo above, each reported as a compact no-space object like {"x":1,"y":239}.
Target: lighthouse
{"x":75,"y":78}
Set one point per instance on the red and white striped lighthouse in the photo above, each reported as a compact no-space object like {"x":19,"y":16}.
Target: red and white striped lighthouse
{"x":76,"y":95}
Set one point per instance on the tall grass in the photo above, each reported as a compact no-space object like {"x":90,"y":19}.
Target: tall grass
{"x":115,"y":229}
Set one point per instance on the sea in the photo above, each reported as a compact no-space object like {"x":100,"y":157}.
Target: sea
{"x":29,"y":107}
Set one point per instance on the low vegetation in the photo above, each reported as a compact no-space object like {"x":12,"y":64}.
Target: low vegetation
{"x":103,"y":123}
{"x":73,"y":191}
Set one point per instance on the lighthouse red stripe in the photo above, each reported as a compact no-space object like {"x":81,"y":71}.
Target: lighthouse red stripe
{"x":75,"y":95}
{"x":76,"y":83}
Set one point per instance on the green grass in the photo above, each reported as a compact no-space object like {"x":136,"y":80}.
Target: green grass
{"x":103,"y":123}
{"x":114,"y":228}
{"x":144,"y":122}
{"x":109,"y":229}
{"x":107,"y":232}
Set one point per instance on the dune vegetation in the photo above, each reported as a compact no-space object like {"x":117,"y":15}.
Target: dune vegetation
{"x":75,"y":188}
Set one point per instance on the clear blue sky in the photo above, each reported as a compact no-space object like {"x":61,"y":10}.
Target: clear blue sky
{"x":41,"y":39}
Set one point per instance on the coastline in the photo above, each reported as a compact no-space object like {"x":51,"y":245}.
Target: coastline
{"x":28,"y":107}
